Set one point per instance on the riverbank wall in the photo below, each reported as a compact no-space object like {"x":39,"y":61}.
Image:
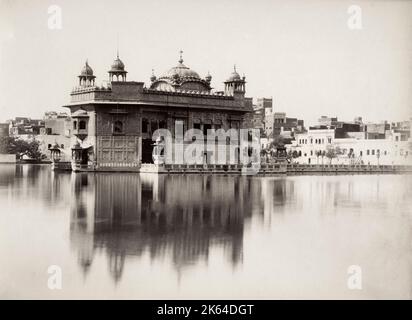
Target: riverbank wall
{"x":262,"y":169}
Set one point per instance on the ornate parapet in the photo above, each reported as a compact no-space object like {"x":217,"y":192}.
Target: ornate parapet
{"x":90,"y":93}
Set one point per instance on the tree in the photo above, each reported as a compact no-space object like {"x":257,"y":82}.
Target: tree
{"x":351,"y":156}
{"x":20,"y":147}
{"x":291,"y":155}
{"x":323,"y":155}
{"x":277,"y":141}
{"x":318,"y":154}
{"x":333,"y":152}
{"x":33,"y":150}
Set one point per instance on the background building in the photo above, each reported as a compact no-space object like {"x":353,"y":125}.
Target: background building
{"x":56,"y":123}
{"x":286,"y":127}
{"x":53,"y":129}
{"x":25,"y":126}
{"x":353,"y":143}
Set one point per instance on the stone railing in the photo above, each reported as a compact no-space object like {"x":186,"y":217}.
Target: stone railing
{"x":347,"y":168}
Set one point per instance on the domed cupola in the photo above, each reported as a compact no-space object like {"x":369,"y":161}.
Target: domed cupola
{"x":117,"y":65}
{"x":235,"y":83}
{"x":208,"y":78}
{"x":234,"y":76}
{"x":117,"y":70}
{"x":153,"y":77}
{"x":181,"y":77}
{"x":86,"y":77}
{"x":87,"y":70}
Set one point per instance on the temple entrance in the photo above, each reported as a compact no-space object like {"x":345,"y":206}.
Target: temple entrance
{"x":80,"y":155}
{"x":84,"y":156}
{"x":147,"y":151}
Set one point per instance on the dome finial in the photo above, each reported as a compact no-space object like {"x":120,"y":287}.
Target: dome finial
{"x":208,"y":77}
{"x":234,"y":67}
{"x":153,"y":77}
{"x":181,"y":58}
{"x":117,"y":45}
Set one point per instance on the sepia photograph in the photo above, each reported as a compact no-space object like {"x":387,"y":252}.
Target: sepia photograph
{"x":205,"y":150}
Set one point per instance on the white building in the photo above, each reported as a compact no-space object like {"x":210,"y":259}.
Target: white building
{"x":312,"y":148}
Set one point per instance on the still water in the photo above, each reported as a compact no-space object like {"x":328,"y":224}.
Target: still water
{"x":195,"y":236}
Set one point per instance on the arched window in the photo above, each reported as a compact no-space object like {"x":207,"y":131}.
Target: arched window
{"x":74,"y":125}
{"x":82,"y":125}
{"x":118,"y":127}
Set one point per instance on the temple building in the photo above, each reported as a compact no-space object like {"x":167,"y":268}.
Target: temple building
{"x":112,"y":125}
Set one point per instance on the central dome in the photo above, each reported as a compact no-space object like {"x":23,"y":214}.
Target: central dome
{"x":181,"y":71}
{"x":181,"y":77}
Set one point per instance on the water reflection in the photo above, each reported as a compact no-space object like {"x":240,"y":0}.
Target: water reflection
{"x":196,"y":236}
{"x":34,"y":182}
{"x":181,"y":218}
{"x":174,"y":216}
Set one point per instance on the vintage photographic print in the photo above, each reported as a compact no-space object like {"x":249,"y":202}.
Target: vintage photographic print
{"x":205,"y":150}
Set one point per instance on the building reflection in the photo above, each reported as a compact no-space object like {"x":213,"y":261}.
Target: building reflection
{"x":34,"y":182}
{"x":213,"y":223}
{"x":181,"y":218}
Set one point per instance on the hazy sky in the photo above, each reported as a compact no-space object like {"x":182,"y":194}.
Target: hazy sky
{"x":301,"y":53}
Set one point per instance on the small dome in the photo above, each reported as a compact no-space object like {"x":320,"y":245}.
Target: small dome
{"x":208,"y":78}
{"x":55,"y":147}
{"x":117,"y":65}
{"x":87,"y":70}
{"x":153,"y":77}
{"x":234,"y":76}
